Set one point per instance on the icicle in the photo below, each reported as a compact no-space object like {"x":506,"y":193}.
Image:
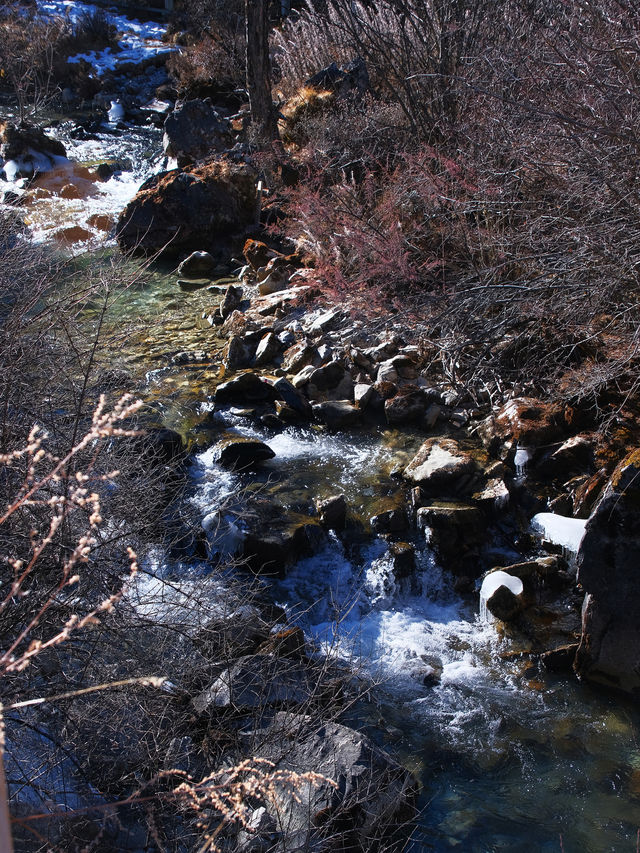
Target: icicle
{"x":521,"y":460}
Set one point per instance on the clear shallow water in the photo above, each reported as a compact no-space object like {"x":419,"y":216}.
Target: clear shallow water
{"x":510,"y":757}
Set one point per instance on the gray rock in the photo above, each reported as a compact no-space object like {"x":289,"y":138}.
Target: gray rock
{"x":267,"y":350}
{"x":337,"y":414}
{"x":258,"y":681}
{"x":246,"y":387}
{"x":360,"y":797}
{"x":240,"y":452}
{"x":193,"y":130}
{"x":198,"y":265}
{"x":231,"y":300}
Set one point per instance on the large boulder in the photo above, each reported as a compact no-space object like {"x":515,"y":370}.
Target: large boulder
{"x":609,"y":571}
{"x":194,"y":130}
{"x":201,"y":207}
{"x":240,"y":452}
{"x":360,"y":796}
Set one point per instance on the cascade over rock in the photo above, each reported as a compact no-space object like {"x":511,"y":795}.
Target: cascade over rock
{"x":609,"y":571}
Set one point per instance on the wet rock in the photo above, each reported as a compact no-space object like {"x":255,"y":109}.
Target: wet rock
{"x":408,"y":406}
{"x":403,"y":559}
{"x":240,"y":453}
{"x":193,"y":130}
{"x":608,"y":561}
{"x":198,"y":265}
{"x":441,"y":465}
{"x":246,"y":387}
{"x":337,"y":414}
{"x":199,"y":207}
{"x":361,"y":794}
{"x":333,"y":512}
{"x":455,"y":531}
{"x":560,"y":659}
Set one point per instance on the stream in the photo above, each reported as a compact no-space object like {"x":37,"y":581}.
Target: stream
{"x":511,"y":758}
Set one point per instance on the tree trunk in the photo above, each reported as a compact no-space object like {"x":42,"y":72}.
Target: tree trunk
{"x":259,"y":70}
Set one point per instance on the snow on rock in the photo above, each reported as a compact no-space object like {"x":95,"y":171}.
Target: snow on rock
{"x":560,"y":530}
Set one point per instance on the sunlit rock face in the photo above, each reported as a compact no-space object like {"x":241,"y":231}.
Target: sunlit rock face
{"x":609,"y":571}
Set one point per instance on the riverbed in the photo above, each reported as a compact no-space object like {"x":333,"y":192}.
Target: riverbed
{"x":510,"y":757}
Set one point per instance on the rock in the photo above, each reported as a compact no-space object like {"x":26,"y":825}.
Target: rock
{"x":277,"y":543}
{"x":362,"y":395}
{"x":608,"y":569}
{"x":298,"y":356}
{"x":504,"y":604}
{"x":455,"y":531}
{"x":408,"y":406}
{"x":286,"y":391}
{"x":198,"y":265}
{"x":560,"y":659}
{"x":26,"y":150}
{"x":267,"y":350}
{"x":361,"y":794}
{"x":288,"y":643}
{"x":246,"y":387}
{"x":526,"y":421}
{"x":258,"y":254}
{"x":203,"y":206}
{"x":193,"y":130}
{"x":230,"y":301}
{"x":301,"y":379}
{"x":333,"y":512}
{"x":387,"y":372}
{"x":337,"y":414}
{"x":403,"y":557}
{"x":327,"y":321}
{"x":236,"y":354}
{"x":441,"y":465}
{"x":240,"y":453}
{"x":257,"y":681}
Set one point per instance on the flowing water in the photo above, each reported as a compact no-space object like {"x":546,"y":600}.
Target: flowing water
{"x":510,"y":757}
